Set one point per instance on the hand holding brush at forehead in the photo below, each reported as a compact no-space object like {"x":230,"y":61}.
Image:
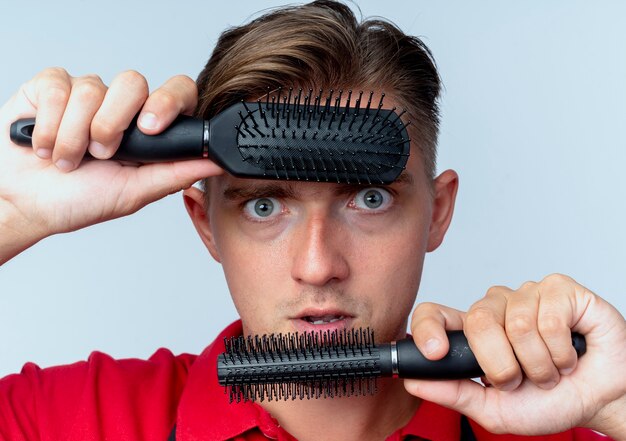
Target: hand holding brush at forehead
{"x":76,"y":114}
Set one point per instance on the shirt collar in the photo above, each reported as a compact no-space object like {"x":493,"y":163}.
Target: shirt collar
{"x":204,"y":411}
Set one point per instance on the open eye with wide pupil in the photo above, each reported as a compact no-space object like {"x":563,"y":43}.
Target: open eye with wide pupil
{"x":372,"y":199}
{"x":262,"y":208}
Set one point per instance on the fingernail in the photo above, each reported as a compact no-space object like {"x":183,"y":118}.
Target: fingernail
{"x":64,"y":165}
{"x":431,"y":346}
{"x":567,"y":371}
{"x":148,"y":121}
{"x":44,"y":153}
{"x":98,"y":150}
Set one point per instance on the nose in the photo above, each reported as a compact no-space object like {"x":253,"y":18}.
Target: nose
{"x":319,"y":252}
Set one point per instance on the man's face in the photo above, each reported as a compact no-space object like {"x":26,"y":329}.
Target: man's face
{"x":302,"y":256}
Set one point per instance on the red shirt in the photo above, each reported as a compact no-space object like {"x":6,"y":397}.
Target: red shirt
{"x":107,"y":399}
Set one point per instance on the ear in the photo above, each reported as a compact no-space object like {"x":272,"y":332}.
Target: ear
{"x":197,"y":210}
{"x":445,"y":189}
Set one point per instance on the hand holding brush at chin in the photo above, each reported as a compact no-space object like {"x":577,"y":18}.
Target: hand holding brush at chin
{"x":522,"y":341}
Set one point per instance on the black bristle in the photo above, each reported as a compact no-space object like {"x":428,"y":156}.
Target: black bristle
{"x":380,"y":106}
{"x":316,"y":104}
{"x":320,"y":365}
{"x":297,"y":100}
{"x":312,"y":128}
{"x":369,"y":102}
{"x":358,"y":103}
{"x":328,"y":100}
{"x":278,"y":100}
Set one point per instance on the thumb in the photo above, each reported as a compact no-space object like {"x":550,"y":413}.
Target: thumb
{"x":155,"y":181}
{"x":464,"y":396}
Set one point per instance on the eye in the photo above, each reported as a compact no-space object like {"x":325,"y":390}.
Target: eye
{"x":262,"y":208}
{"x":372,"y":199}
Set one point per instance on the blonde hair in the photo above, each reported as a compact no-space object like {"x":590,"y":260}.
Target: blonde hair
{"x":321,"y":45}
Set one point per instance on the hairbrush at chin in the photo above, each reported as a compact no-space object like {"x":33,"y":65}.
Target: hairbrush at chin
{"x":335,"y":364}
{"x":288,"y":135}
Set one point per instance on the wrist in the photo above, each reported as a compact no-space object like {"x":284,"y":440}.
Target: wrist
{"x":16,"y":232}
{"x":611,"y":420}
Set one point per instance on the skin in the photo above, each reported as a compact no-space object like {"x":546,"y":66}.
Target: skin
{"x":324,"y":251}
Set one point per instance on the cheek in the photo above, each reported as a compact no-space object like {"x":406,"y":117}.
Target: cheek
{"x":254,"y":269}
{"x":389,"y":265}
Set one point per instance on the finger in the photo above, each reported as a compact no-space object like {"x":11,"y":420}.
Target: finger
{"x":464,"y":396}
{"x":49,"y":92}
{"x":125,"y":97}
{"x":151,"y":182}
{"x":179,"y":95}
{"x":484,"y":329}
{"x":556,"y":314}
{"x":521,"y":328}
{"x":428,"y":327}
{"x":73,"y":135}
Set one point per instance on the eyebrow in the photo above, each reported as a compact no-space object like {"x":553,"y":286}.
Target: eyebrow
{"x":286,"y":190}
{"x":254,"y":191}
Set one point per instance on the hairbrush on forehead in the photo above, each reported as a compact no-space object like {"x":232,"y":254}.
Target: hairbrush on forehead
{"x":334,"y":364}
{"x":288,"y":135}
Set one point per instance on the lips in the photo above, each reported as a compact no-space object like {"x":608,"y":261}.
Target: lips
{"x":318,"y":319}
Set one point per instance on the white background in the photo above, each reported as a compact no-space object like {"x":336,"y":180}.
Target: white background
{"x":533,"y":112}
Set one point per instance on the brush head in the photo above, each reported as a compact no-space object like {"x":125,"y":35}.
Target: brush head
{"x":307,"y":137}
{"x":308,"y":365}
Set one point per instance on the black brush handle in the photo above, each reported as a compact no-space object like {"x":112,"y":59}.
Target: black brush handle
{"x":458,"y":363}
{"x":183,"y":139}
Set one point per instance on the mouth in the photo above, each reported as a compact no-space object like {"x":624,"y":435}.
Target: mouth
{"x":322,"y":320}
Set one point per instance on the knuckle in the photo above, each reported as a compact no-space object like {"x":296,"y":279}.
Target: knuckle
{"x":495,"y":291}
{"x":550,"y":324}
{"x":134,"y":79}
{"x":166,"y":99}
{"x":44,"y":138}
{"x":555,"y":280}
{"x":186,"y":81}
{"x":54,"y":72}
{"x":92,"y":77}
{"x":103,"y":129}
{"x":503,"y":376}
{"x":88,"y":90}
{"x":479,"y":318}
{"x":56,"y":94}
{"x":427,"y":308}
{"x":540,"y":373}
{"x":69,"y":145}
{"x":528,"y":285}
{"x":519,"y":326}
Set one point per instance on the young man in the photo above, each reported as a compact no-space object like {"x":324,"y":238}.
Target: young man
{"x":297,"y":256}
